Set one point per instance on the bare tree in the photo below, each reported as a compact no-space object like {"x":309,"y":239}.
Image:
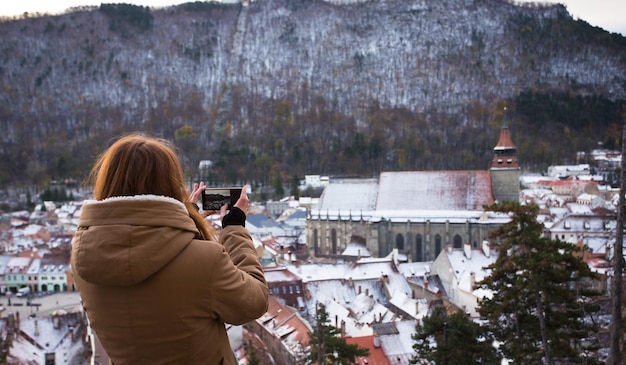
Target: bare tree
{"x":616,"y":357}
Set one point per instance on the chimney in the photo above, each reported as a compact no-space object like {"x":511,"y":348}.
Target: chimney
{"x":449,"y":248}
{"x":486,"y":249}
{"x":359,"y":289}
{"x":376,"y":340}
{"x":367,"y":292}
{"x":467,"y":248}
{"x":472,"y":280}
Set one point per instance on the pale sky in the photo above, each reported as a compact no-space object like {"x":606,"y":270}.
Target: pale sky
{"x":607,"y":14}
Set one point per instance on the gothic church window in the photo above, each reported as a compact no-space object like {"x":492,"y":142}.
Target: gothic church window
{"x":418,"y":248}
{"x":437,"y":245}
{"x":458,"y":241}
{"x":400,"y":241}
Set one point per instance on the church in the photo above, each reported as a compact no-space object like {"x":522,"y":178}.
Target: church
{"x":419,"y":213}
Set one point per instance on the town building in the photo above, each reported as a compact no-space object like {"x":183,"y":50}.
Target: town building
{"x":418,"y":213}
{"x":284,"y":332}
{"x":459,"y":270}
{"x":285,"y":285}
{"x":56,"y":339}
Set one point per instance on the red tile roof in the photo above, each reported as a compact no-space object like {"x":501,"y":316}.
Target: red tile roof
{"x":377,"y":355}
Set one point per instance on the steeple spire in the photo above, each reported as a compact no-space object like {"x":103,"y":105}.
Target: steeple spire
{"x":505,"y":152}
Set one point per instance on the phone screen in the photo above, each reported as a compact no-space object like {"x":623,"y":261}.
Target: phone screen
{"x":215,"y":198}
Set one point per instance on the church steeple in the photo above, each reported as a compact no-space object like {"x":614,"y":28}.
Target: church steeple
{"x":505,"y":168}
{"x":505,"y":153}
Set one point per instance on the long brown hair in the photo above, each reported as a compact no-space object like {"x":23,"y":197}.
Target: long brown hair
{"x":136,"y":165}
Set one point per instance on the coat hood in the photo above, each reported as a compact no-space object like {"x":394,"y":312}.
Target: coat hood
{"x":122,"y":241}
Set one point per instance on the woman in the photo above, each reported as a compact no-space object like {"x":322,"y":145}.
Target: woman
{"x":156,"y":287}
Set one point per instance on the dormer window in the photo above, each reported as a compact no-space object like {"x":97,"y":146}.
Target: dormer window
{"x":586,"y":225}
{"x":567,"y":225}
{"x":509,"y":161}
{"x":499,"y":160}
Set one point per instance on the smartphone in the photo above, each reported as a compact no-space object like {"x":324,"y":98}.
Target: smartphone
{"x":215,"y":198}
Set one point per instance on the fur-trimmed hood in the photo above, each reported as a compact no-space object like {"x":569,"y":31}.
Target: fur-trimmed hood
{"x":121,"y":241}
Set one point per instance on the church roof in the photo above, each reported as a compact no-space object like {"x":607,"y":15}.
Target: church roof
{"x":505,"y":142}
{"x":411,"y":190}
{"x":434,"y":190}
{"x":354,"y":195}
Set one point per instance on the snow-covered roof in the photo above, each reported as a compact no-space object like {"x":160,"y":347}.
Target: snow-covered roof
{"x":337,"y":311}
{"x":280,"y":275}
{"x":409,"y":269}
{"x":399,"y":345}
{"x":356,"y":250}
{"x":354,"y":195}
{"x":34,"y":267}
{"x":320,"y":272}
{"x":416,"y":308}
{"x":19,"y":262}
{"x":597,"y":244}
{"x":584,"y":223}
{"x":465,"y":268}
{"x":434,"y":190}
{"x":579,"y":208}
{"x":32,"y":229}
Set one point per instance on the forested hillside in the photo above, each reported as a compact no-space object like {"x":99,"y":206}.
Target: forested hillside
{"x":277,"y":89}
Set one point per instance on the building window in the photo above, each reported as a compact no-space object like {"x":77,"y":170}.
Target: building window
{"x":419,"y":256}
{"x":458,"y":241}
{"x":437,"y":245}
{"x":298,"y":289}
{"x":315,"y":243}
{"x":333,"y":240}
{"x":400,"y":241}
{"x":290,"y":289}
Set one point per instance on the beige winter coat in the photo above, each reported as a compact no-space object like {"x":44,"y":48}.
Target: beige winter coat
{"x":153,"y":293}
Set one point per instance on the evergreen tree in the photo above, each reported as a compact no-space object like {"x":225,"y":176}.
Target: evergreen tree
{"x":295,"y":190}
{"x":279,"y":191}
{"x":252,"y":358}
{"x":326,"y":345}
{"x":540,"y":311}
{"x":452,"y":339}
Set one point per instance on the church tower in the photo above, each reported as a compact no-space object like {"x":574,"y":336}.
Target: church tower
{"x":505,"y":169}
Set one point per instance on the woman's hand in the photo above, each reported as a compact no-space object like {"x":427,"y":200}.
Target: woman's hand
{"x":242,"y":203}
{"x":196,"y":192}
{"x":194,"y":195}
